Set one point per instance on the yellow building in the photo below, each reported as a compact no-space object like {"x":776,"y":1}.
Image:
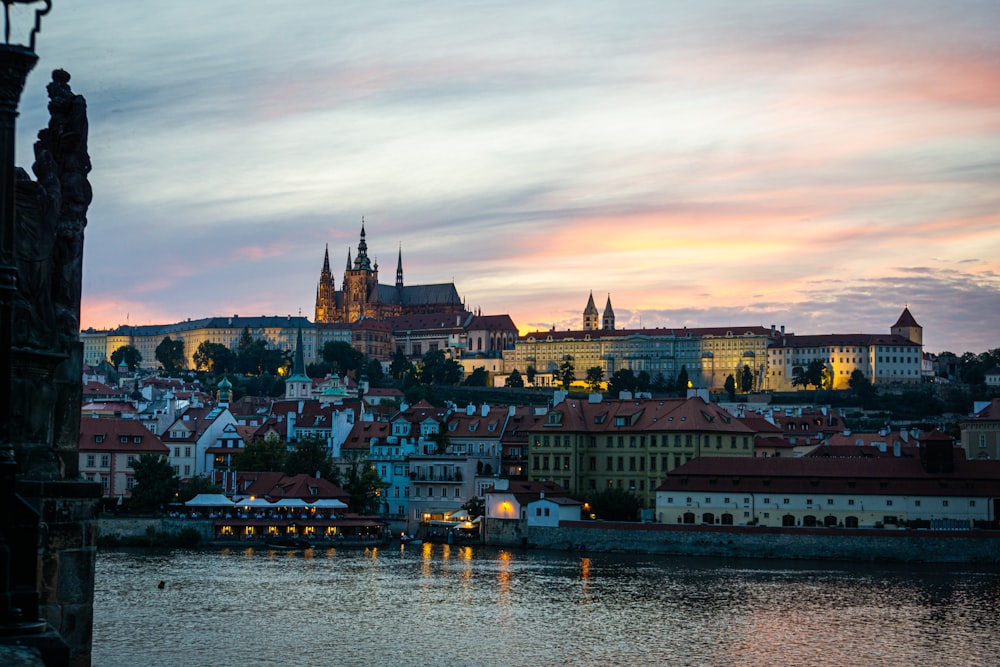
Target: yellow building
{"x":590,"y":445}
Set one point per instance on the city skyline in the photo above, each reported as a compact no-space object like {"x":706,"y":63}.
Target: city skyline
{"x":815,"y":166}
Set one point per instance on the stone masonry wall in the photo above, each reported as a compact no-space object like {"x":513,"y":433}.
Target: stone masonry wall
{"x":750,"y":542}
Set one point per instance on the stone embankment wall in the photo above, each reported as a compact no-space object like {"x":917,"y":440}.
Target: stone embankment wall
{"x":138,"y":526}
{"x":754,"y":542}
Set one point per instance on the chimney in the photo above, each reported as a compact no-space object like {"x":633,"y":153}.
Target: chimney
{"x":896,"y":449}
{"x":470,"y":409}
{"x":485,"y":410}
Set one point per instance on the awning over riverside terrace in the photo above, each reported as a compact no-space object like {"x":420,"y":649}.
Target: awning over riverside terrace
{"x":209,"y":500}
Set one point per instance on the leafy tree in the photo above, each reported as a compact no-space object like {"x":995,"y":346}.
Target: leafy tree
{"x":364,"y":486}
{"x":566,"y":372}
{"x":214,"y":357}
{"x":730,"y":387}
{"x":595,"y":376}
{"x":530,"y":375}
{"x":683,"y":381}
{"x":477,"y":378}
{"x":257,"y":359}
{"x":437,"y":368}
{"x":155,"y":483}
{"x":643,"y":382}
{"x":190,"y":488}
{"x":514,"y":380}
{"x":342,"y":356}
{"x":309,"y":457}
{"x":621,"y":380}
{"x":746,"y":380}
{"x":246,"y":340}
{"x":400,"y":367}
{"x":375,"y":373}
{"x":261,"y":456}
{"x":170,"y":354}
{"x":319,"y":370}
{"x":863,"y":389}
{"x":809,"y":375}
{"x":127,"y":353}
{"x":475,"y":506}
{"x":614,"y":505}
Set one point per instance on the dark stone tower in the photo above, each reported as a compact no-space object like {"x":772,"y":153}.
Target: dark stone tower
{"x":608,"y":320}
{"x":326,"y":305}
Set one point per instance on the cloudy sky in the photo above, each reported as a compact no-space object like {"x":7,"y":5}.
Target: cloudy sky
{"x":817,"y":165}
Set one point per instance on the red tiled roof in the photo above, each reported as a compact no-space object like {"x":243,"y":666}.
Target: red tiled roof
{"x":110,"y":431}
{"x":822,"y":475}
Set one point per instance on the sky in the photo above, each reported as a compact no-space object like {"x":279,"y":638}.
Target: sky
{"x":813,"y":165}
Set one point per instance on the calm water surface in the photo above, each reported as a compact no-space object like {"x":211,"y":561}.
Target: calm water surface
{"x":441,"y":605}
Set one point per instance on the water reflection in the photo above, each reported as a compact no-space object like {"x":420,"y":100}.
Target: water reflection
{"x":459,"y":605}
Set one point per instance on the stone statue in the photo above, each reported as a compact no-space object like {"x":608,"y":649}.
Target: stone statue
{"x":49,"y":223}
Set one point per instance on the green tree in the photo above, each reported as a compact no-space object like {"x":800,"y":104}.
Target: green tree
{"x":257,"y":359}
{"x":437,"y":368}
{"x":189,"y":488}
{"x":863,"y":389}
{"x":514,"y":380}
{"x":127,"y":353}
{"x":746,"y":380}
{"x":400,"y":367}
{"x":621,"y":380}
{"x":375,"y":373}
{"x":683,"y":382}
{"x":614,"y":505}
{"x":477,"y":378}
{"x":643,"y":382}
{"x":170,"y":354}
{"x":342,"y":356}
{"x":261,"y":456}
{"x":214,"y":357}
{"x":364,"y":486}
{"x":595,"y":376}
{"x":475,"y":506}
{"x":155,"y":483}
{"x":309,"y":457}
{"x":730,"y":387}
{"x":529,"y":375}
{"x":566,"y":372}
{"x":246,"y":340}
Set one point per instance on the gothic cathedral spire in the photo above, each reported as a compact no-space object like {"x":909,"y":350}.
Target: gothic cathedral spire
{"x":325,"y":300}
{"x":399,"y":268}
{"x":609,"y":316}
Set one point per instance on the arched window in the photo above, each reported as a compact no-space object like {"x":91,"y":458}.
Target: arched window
{"x":788,"y":520}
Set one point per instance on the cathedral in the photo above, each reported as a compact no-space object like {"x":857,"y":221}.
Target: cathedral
{"x":361,"y":296}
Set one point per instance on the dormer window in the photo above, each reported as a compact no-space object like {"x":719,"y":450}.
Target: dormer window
{"x":123,"y":439}
{"x":98,"y":438}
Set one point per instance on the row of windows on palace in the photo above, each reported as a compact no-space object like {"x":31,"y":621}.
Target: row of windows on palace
{"x":851,"y":502}
{"x":611,"y":463}
{"x":612,"y":441}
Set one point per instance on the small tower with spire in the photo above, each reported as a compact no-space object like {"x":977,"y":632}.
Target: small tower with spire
{"x":225,"y":388}
{"x":608,"y":321}
{"x":907,"y":327}
{"x":590,"y":315}
{"x":298,"y":385}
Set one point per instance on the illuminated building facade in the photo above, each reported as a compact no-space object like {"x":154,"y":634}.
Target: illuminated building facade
{"x":362,"y":297}
{"x":893,"y":358}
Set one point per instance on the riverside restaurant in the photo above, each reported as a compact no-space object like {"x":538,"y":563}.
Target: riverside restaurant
{"x":286,"y":522}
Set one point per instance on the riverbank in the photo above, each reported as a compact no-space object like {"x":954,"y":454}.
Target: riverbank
{"x":919,"y":546}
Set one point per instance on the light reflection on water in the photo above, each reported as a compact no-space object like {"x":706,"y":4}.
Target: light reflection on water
{"x":462,"y":605}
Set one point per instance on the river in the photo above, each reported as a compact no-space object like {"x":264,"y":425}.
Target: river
{"x":450,"y":605}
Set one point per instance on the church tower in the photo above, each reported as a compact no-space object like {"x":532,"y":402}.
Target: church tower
{"x":298,"y":385}
{"x":908,"y":328}
{"x":326,"y":307}
{"x":609,"y":316}
{"x":590,"y":315}
{"x":360,"y":284}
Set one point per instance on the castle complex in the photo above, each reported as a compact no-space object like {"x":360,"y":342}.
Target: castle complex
{"x":362,"y":297}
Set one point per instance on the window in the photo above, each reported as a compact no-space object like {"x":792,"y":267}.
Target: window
{"x":129,"y":483}
{"x":98,"y":438}
{"x":187,"y":451}
{"x":944,"y":503}
{"x":888,"y":503}
{"x":105,"y":460}
{"x":90,"y":460}
{"x":784,"y":501}
{"x":130,"y":460}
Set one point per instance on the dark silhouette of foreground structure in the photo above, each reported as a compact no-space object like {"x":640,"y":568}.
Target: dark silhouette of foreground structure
{"x":47,"y":527}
